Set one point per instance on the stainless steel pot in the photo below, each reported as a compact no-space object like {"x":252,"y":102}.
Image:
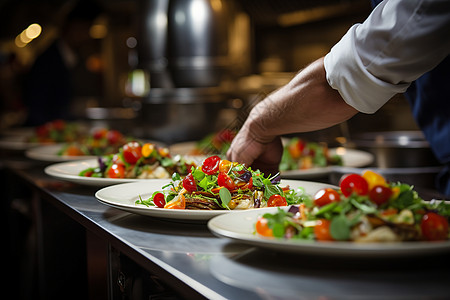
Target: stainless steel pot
{"x":182,"y":114}
{"x":397,"y":149}
{"x":198,"y":42}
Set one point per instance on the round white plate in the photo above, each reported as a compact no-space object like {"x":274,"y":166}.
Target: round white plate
{"x":16,"y":142}
{"x":124,"y":196}
{"x":350,"y":158}
{"x":240,"y":227}
{"x":50,"y":153}
{"x":69,"y":171}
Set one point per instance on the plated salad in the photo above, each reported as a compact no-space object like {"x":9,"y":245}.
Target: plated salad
{"x":215,"y":143}
{"x":301,"y":155}
{"x":366,"y":208}
{"x":219,"y":184}
{"x":57,"y":131}
{"x":137,"y":160}
{"x":101,"y":141}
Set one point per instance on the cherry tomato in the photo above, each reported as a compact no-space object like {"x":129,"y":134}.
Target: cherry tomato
{"x":224,"y":166}
{"x":132,"y":151}
{"x":249,"y":184}
{"x":113,"y":137}
{"x":73,"y":151}
{"x":326,"y":196}
{"x":116,"y":171}
{"x":262,"y":227}
{"x":42,"y":130}
{"x":296,"y":149}
{"x":226,"y":181}
{"x":159,"y":200}
{"x":147,"y":149}
{"x":177,"y":203}
{"x":354,"y":183}
{"x":211,"y":165}
{"x":59,"y":124}
{"x":380,"y":194}
{"x":189,"y":183}
{"x":373,"y":179}
{"x":434,"y":227}
{"x":99,"y":133}
{"x":322,"y":230}
{"x":88,"y":174}
{"x":276,"y":200}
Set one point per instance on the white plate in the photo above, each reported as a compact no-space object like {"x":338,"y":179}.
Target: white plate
{"x":240,"y":227}
{"x":69,"y":171}
{"x":124,"y":196}
{"x":16,"y":142}
{"x":50,"y":153}
{"x":350,"y":158}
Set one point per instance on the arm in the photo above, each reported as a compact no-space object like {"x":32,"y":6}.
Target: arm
{"x":307,"y":103}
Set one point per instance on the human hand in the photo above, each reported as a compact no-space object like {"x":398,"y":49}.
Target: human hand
{"x":248,"y":149}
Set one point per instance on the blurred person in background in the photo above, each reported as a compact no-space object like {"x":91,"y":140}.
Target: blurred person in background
{"x":403,"y":46}
{"x":49,"y":87}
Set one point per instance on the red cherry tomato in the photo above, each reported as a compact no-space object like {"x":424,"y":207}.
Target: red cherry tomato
{"x":262,"y":227}
{"x":159,"y":200}
{"x":434,"y":227}
{"x":322,"y":230}
{"x":326,"y":196}
{"x":59,"y":125}
{"x":211,"y":165}
{"x":354,"y":183}
{"x":380,"y":194}
{"x":132,"y":151}
{"x":99,"y":133}
{"x":226,"y":181}
{"x":276,"y":200}
{"x":113,"y":137}
{"x":116,"y":171}
{"x":189,"y":183}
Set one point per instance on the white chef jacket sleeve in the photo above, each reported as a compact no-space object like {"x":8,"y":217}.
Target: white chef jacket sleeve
{"x":396,"y":44}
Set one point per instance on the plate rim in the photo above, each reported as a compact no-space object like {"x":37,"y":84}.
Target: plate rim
{"x":176,"y":214}
{"x":344,"y":249}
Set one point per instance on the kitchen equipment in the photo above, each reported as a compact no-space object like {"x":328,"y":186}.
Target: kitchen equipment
{"x":397,"y":149}
{"x":182,"y":114}
{"x":198,"y":42}
{"x":185,"y":43}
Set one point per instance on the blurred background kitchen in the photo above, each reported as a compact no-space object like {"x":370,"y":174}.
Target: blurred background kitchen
{"x":177,"y":70}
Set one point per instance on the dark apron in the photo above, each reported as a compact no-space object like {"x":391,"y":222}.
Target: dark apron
{"x":429,"y":98}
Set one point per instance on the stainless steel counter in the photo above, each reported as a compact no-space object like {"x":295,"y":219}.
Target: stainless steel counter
{"x":185,"y":261}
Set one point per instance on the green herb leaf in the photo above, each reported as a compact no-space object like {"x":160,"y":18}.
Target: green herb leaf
{"x":340,"y":228}
{"x":225,"y":196}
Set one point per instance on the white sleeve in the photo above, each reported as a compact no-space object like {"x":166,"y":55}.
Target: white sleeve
{"x":396,"y":44}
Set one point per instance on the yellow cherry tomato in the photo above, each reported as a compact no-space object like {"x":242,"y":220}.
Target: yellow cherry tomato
{"x":224,"y":166}
{"x":164,"y":152}
{"x":395,"y":192}
{"x":373,"y":179}
{"x":147,"y":149}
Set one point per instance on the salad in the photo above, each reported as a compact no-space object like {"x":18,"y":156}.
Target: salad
{"x":57,"y":131}
{"x":301,"y":155}
{"x":219,"y":184}
{"x":215,"y":143}
{"x":137,"y":160}
{"x":101,"y":142}
{"x":366,"y":208}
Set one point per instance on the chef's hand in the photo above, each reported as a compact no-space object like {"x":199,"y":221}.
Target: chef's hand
{"x":253,"y":148}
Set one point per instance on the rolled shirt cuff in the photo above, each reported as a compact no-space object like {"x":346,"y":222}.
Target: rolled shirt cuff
{"x":359,"y":88}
